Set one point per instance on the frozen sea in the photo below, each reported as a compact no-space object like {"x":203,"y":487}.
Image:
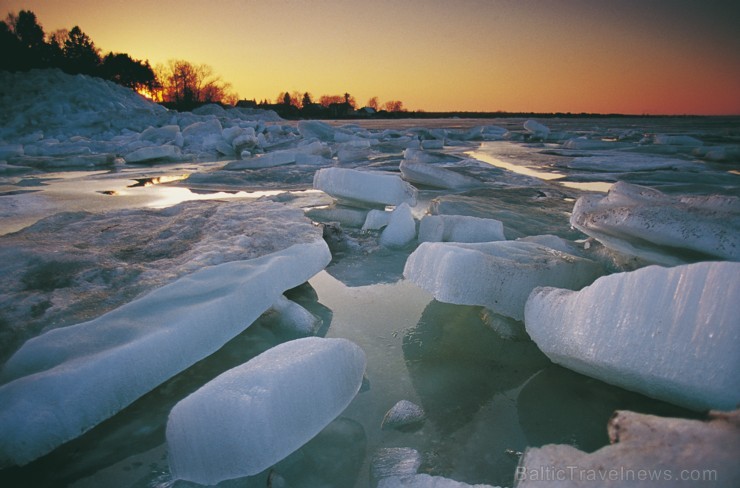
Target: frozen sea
{"x":486,"y":389}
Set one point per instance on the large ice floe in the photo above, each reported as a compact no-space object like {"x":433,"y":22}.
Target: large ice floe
{"x":664,"y":229}
{"x":669,"y":333}
{"x":122,"y":354}
{"x":496,"y":275}
{"x":254,"y":415}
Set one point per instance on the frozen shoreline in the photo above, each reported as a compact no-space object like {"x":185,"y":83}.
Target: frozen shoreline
{"x":469,"y":368}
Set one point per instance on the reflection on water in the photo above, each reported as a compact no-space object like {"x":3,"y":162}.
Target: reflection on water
{"x":493,"y":154}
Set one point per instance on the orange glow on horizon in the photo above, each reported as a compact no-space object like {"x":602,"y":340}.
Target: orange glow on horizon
{"x":597,"y":56}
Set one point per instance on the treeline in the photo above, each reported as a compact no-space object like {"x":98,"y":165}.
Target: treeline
{"x":178,"y":84}
{"x":24,"y":45}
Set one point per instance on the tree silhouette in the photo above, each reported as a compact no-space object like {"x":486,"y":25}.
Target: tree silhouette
{"x":80,"y":53}
{"x":187,"y":85}
{"x":373,"y":103}
{"x":122,"y":69}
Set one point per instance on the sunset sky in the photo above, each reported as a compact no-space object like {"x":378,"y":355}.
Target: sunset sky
{"x":626,"y":56}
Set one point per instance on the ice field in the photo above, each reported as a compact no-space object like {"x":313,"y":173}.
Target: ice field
{"x":225,"y":297}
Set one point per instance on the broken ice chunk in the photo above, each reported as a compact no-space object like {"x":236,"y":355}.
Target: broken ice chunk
{"x":536,"y":129}
{"x":459,"y":228}
{"x":365,"y":186}
{"x":254,"y":415}
{"x":670,"y":230}
{"x":496,"y":275}
{"x":425,"y":481}
{"x":426,"y":174}
{"x":669,"y":333}
{"x":293,"y":317}
{"x":62,"y":383}
{"x":166,"y":152}
{"x":402,"y":415}
{"x":401,"y":228}
{"x":394,"y":461}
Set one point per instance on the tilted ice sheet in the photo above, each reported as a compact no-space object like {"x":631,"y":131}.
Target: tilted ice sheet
{"x":665,"y":229}
{"x":669,"y":333}
{"x":72,"y":267}
{"x":254,"y":415}
{"x":496,"y":275}
{"x":66,"y":381}
{"x":373,"y":187}
{"x":459,"y":228}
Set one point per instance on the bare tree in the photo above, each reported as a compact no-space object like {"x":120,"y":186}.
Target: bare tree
{"x":394,"y":106}
{"x":185,"y":83}
{"x":373,"y":103}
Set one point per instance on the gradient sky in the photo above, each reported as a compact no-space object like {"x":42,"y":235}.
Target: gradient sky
{"x":626,"y":56}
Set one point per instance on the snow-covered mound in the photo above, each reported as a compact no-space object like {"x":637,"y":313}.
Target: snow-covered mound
{"x":496,"y":275}
{"x":256,"y":414}
{"x":372,"y":187}
{"x":49,"y":119}
{"x":665,"y":229}
{"x":62,"y":383}
{"x":73,"y":267}
{"x":645,"y":450}
{"x":669,"y":333}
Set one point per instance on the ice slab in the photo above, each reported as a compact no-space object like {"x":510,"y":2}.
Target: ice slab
{"x":536,"y":129}
{"x":644,"y":448}
{"x":626,"y":162}
{"x":425,"y":481}
{"x":292,"y":317}
{"x":524,"y":211}
{"x":75,"y":266}
{"x":425,"y":174}
{"x":496,"y":275}
{"x":153,"y":153}
{"x":64,"y":382}
{"x":254,"y":415}
{"x":459,"y":228}
{"x":376,"y":219}
{"x":401,"y":228}
{"x":669,"y":333}
{"x":665,"y":229}
{"x":372,"y":187}
{"x":394,"y":461}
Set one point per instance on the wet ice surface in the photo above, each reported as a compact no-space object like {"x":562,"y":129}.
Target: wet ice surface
{"x":486,"y":390}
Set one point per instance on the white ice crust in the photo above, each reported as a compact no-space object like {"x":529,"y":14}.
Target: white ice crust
{"x":256,"y":414}
{"x":496,"y":275}
{"x":669,"y":333}
{"x":64,"y":382}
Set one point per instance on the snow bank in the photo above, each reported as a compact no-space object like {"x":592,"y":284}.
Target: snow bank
{"x":67,"y":380}
{"x":254,"y":415}
{"x":459,"y":228}
{"x":496,"y":275}
{"x":665,"y":229}
{"x":669,"y":333}
{"x":49,"y":119}
{"x":647,"y":448}
{"x":365,"y":186}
